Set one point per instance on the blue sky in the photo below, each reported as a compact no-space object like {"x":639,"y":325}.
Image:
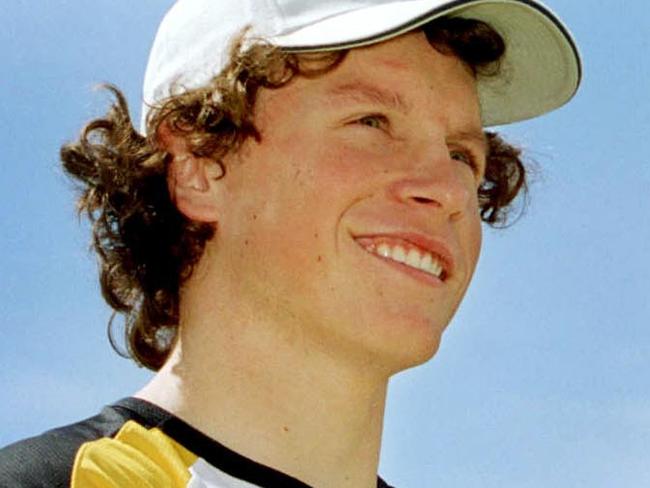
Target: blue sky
{"x":543,"y":376}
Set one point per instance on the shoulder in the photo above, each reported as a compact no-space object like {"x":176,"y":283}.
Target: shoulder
{"x":382,"y":484}
{"x":47,"y":459}
{"x":136,"y":456}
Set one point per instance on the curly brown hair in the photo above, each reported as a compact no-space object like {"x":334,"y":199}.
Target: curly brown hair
{"x":146,"y":247}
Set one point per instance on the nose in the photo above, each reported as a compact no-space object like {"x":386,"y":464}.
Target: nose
{"x":435,"y":181}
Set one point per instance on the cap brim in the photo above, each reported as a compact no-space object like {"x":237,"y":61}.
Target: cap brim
{"x":540,"y":71}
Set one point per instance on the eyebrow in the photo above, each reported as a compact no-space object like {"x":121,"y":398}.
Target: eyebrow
{"x":360,"y":91}
{"x":474,"y":136}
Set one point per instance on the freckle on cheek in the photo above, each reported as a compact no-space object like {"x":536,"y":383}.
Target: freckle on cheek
{"x":319,"y":258}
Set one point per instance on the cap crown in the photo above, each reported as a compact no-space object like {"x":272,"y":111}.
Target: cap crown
{"x":540,"y":70}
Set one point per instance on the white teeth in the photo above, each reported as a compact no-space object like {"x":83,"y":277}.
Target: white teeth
{"x":437,"y":269}
{"x":384,"y":250}
{"x":398,"y":254}
{"x":426,"y":261}
{"x":413,"y":258}
{"x":421,"y":260}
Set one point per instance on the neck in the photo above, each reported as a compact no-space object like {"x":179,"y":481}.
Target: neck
{"x":274,"y":396}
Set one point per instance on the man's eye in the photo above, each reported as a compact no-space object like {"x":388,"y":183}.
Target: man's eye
{"x":464,"y":157}
{"x":468,"y":158}
{"x":373,"y":121}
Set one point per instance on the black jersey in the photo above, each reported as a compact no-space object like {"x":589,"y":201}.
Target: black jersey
{"x":133,"y":443}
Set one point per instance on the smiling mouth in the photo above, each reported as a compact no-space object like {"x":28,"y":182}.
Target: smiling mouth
{"x":406,"y":254}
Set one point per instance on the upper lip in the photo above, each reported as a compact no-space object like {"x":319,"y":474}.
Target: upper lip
{"x":436,"y":246}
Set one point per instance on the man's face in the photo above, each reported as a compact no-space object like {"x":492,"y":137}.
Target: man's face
{"x":374,"y":163}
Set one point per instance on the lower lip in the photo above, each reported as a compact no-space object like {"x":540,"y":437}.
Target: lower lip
{"x":421,"y":276}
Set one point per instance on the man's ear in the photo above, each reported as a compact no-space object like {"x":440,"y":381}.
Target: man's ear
{"x":192,"y":180}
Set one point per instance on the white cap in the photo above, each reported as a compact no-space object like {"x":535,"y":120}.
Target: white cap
{"x":540,"y":70}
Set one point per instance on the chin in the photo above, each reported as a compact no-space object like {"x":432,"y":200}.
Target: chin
{"x":415,"y":356}
{"x":414,"y":345}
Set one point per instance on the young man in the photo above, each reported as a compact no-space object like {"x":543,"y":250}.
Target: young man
{"x":298,"y":221}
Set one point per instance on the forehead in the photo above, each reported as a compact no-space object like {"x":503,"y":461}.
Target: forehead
{"x":413,"y":59}
{"x":406,"y":74}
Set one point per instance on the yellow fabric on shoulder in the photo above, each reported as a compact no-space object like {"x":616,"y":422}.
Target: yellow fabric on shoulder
{"x":137,"y":457}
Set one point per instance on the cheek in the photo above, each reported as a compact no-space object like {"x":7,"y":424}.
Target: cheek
{"x":474,"y":237}
{"x":318,"y":170}
{"x":345,"y":166}
{"x":478,"y":240}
